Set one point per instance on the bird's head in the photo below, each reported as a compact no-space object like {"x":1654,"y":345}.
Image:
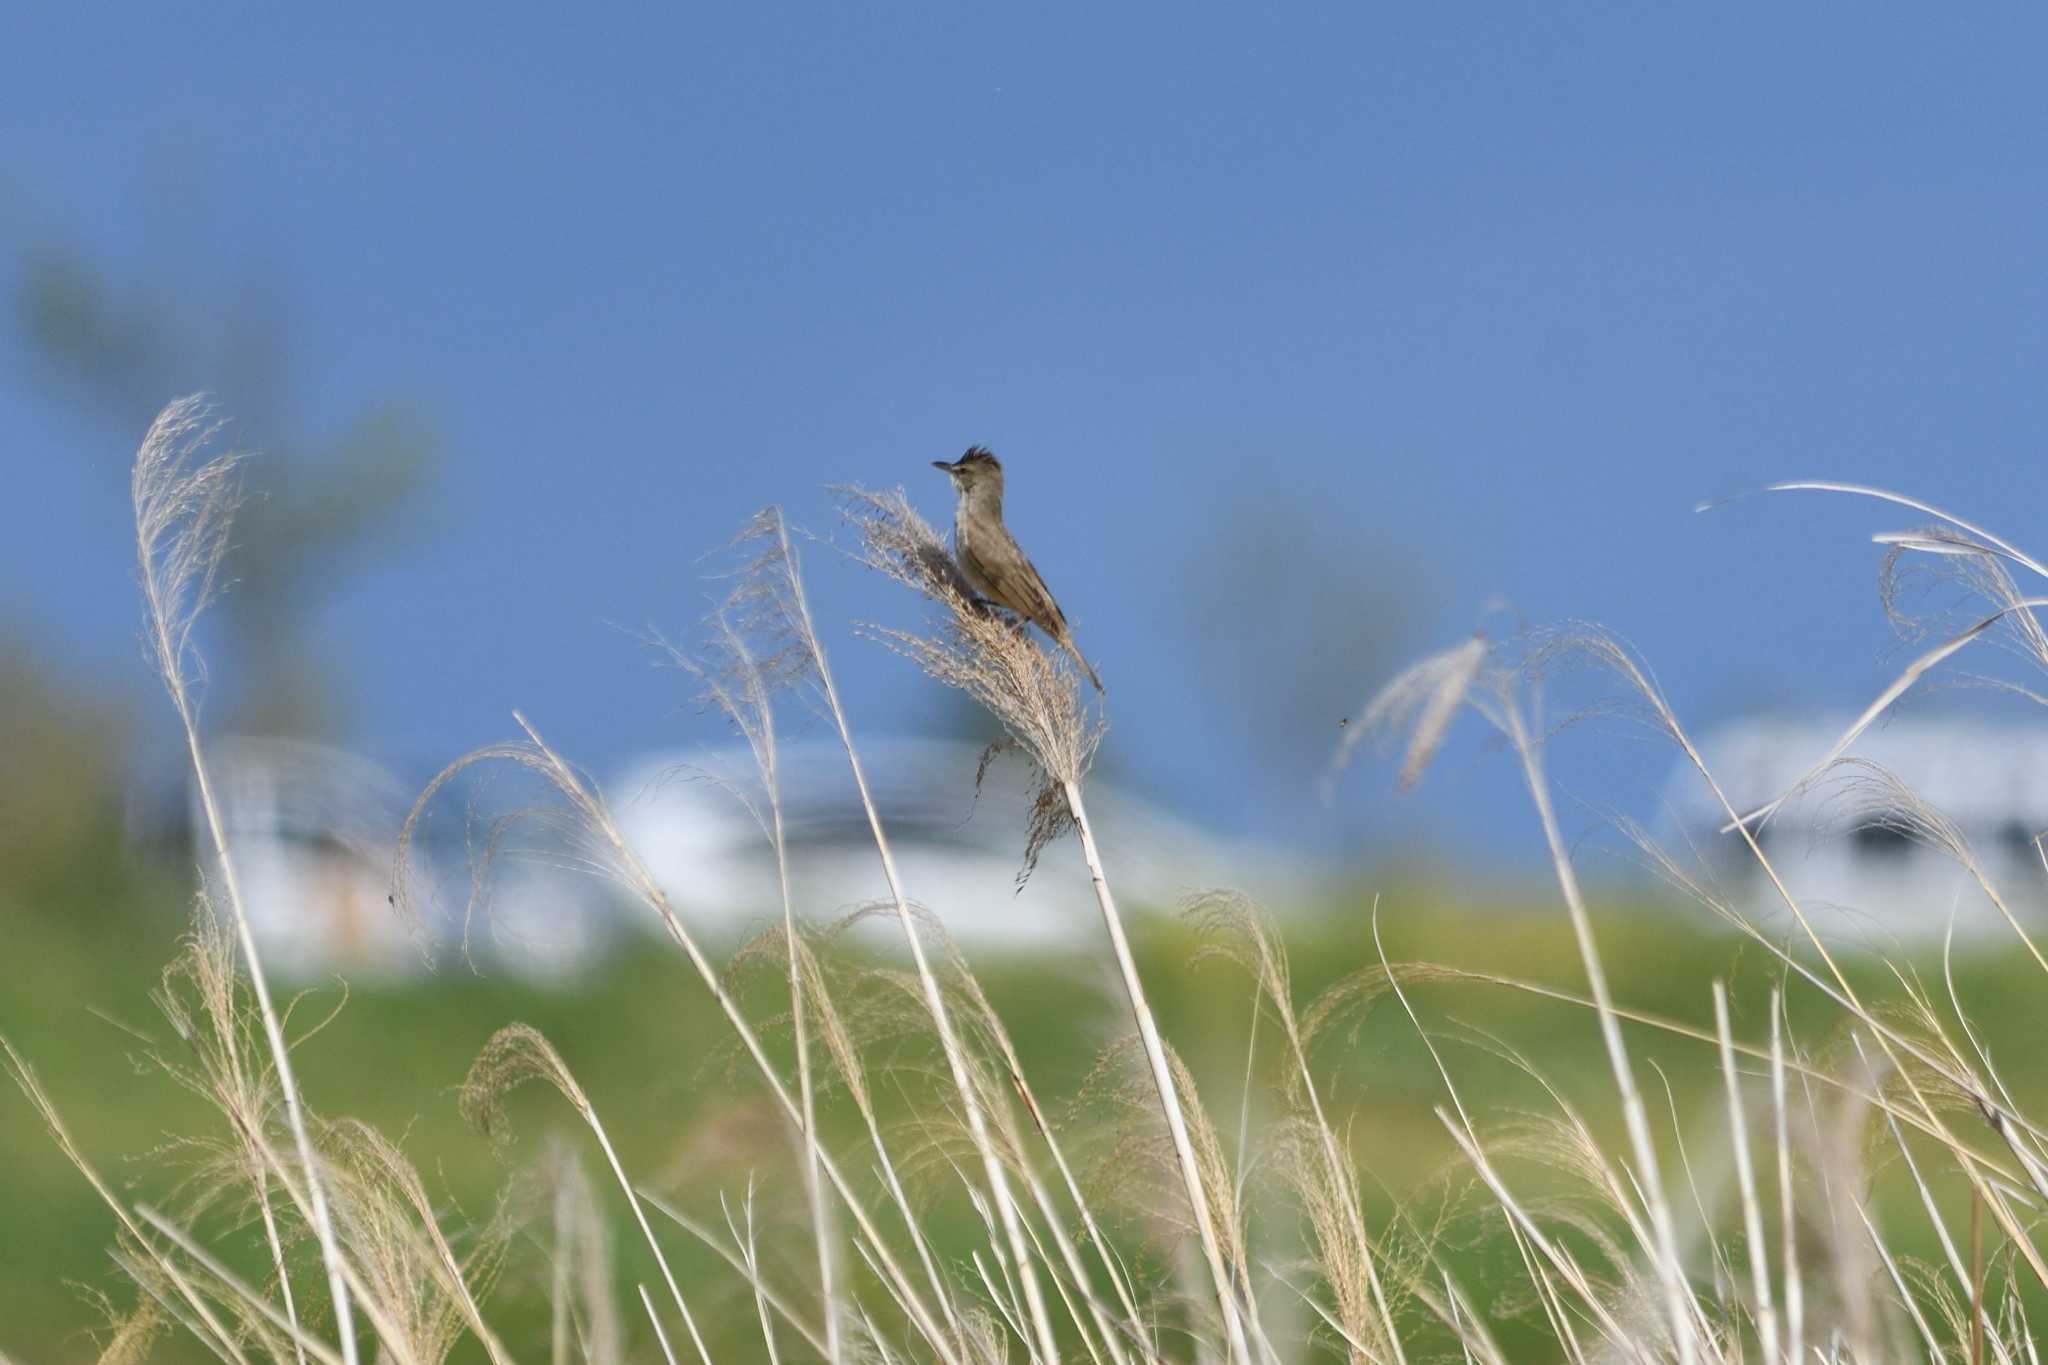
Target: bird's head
{"x":977,"y":469}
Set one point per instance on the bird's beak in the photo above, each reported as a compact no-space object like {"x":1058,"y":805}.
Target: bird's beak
{"x":942,"y":464}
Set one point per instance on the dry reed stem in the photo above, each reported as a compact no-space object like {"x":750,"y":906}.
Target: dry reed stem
{"x":743,"y":688}
{"x":654,"y":1321}
{"x":182,"y":517}
{"x":1745,"y":1177}
{"x":301,"y":1341}
{"x":1034,"y":695}
{"x":1634,"y":1115}
{"x":518,"y":1053}
{"x":742,"y":1262}
{"x":1162,"y":1078}
{"x":798,"y":610}
{"x":625,"y":865}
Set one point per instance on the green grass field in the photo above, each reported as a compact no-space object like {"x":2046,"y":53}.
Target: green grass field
{"x":655,"y":1057}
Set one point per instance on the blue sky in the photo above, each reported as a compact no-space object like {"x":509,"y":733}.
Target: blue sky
{"x":1473,"y":304}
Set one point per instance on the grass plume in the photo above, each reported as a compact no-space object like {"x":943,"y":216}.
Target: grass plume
{"x":1885,"y":1163}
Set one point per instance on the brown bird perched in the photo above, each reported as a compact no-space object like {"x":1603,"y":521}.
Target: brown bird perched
{"x":988,"y":556}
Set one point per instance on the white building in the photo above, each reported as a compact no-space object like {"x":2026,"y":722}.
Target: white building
{"x":311,"y":829}
{"x":1835,"y":846}
{"x":314,"y":831}
{"x":959,"y":853}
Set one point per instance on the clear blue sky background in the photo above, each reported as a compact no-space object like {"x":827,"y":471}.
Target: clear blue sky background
{"x":1477,"y":302}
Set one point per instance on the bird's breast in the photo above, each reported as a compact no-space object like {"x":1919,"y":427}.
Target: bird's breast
{"x":966,"y":550}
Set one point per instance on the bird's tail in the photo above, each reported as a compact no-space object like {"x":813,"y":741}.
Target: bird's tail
{"x":1075,"y":650}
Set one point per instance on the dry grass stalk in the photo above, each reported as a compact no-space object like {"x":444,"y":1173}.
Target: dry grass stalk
{"x":886,"y":1007}
{"x":1600,"y":1261}
{"x":836,"y":1030}
{"x":580,"y":1299}
{"x":753,"y":652}
{"x":1323,"y":1178}
{"x":517,"y":1054}
{"x":787,"y":593}
{"x":1034,"y":696}
{"x":243,"y":1295}
{"x":184,"y":508}
{"x":743,"y":1258}
{"x":654,"y":1320}
{"x":1752,"y":1208}
{"x":153,"y":1269}
{"x":1492,"y":690}
{"x":590,"y":819}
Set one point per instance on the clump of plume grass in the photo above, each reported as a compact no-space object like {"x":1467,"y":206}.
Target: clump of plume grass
{"x":772,"y":591}
{"x":755,"y":649}
{"x":1911,"y":1044}
{"x":1031,"y":691}
{"x":1035,"y":697}
{"x":933,"y":1204}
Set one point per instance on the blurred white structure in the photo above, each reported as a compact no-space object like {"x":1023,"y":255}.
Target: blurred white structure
{"x":314,"y":831}
{"x":311,"y":830}
{"x":958,"y":854}
{"x":1834,"y":845}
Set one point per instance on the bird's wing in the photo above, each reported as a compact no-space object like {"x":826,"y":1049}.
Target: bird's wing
{"x":1035,"y":600}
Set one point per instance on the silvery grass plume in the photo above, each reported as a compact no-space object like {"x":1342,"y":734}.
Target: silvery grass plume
{"x":521,"y":1053}
{"x":518,"y":1053}
{"x":1422,"y":701}
{"x":1932,"y":1078}
{"x":1031,"y":692}
{"x":184,"y":510}
{"x":1312,"y":1156}
{"x":772,"y":594}
{"x":1035,"y":697}
{"x":1952,"y":551}
{"x":1498,"y":683}
{"x":865,"y":1007}
{"x":754,"y":649}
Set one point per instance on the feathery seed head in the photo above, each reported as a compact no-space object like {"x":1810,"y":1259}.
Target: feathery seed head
{"x":980,"y":652}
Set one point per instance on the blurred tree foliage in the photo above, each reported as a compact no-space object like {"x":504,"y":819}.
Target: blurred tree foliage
{"x":60,"y":741}
{"x":316,"y":510}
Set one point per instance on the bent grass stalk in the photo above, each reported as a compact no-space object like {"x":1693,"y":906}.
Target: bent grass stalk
{"x":1162,"y":1079}
{"x":1669,"y":1270}
{"x":745,"y":697}
{"x":1036,"y":698}
{"x":386,"y":1258}
{"x":182,"y":518}
{"x":633,"y":873}
{"x":956,"y":1061}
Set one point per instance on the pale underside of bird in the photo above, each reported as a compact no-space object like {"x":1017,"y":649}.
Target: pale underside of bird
{"x":989,"y":558}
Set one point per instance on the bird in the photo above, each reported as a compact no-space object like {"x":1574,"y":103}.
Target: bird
{"x":988,"y":556}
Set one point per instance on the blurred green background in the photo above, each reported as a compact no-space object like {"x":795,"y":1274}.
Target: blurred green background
{"x":87,"y":940}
